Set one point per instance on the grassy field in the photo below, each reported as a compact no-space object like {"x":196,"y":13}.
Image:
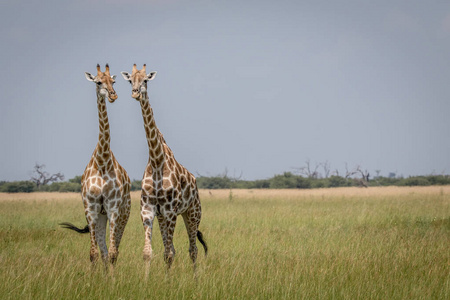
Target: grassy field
{"x":346,"y":243}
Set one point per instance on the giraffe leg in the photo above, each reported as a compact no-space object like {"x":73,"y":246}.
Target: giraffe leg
{"x":114,"y":232}
{"x":148,"y":212}
{"x":92,"y":212}
{"x":169,"y":250}
{"x":93,"y":253}
{"x":100,"y":236}
{"x":125,"y":213}
{"x":163,"y":228}
{"x":192,"y":224}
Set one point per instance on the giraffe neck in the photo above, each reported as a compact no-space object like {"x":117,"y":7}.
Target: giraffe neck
{"x":103,"y":146}
{"x":155,"y":139}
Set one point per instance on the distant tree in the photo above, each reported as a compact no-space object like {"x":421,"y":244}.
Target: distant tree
{"x":136,"y":185}
{"x":76,"y":179}
{"x":414,"y":181}
{"x":349,"y":173}
{"x":326,"y":166}
{"x":233,"y":181}
{"x":337,"y":181}
{"x":309,"y":171}
{"x":378,"y":173}
{"x":259,"y":184}
{"x":41,"y":177}
{"x":287,"y":180}
{"x":18,"y":187}
{"x":364,"y":180}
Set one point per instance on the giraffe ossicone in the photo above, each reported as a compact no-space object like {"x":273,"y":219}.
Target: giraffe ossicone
{"x":105,"y":185}
{"x":168,"y":188}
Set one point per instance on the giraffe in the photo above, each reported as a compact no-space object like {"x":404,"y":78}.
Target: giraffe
{"x":105,"y":184}
{"x":168,"y":189}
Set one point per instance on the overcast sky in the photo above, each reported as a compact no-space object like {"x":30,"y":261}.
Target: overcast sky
{"x":257,"y":87}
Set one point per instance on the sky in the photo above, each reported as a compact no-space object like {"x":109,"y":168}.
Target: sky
{"x":251,"y":88}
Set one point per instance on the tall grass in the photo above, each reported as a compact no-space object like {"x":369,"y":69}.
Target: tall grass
{"x":346,"y":243}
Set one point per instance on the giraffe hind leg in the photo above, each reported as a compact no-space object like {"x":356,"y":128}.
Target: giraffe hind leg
{"x":95,"y":224}
{"x":100,"y":236}
{"x":192,"y":224}
{"x":125,"y":214}
{"x":115,"y":233}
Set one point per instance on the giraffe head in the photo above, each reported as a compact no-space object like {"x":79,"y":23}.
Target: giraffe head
{"x":104,"y":82}
{"x":138,"y":80}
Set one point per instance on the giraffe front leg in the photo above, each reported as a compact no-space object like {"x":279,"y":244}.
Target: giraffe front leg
{"x":169,"y":250}
{"x":148,"y":212}
{"x":162,"y":229}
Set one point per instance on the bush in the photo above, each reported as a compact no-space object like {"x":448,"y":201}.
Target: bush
{"x":261,"y":184}
{"x":76,"y":179}
{"x":218,"y":182}
{"x":136,"y":185}
{"x":62,"y":187}
{"x":18,"y":187}
{"x":385,"y":181}
{"x":414,"y":181}
{"x":438,"y":179}
{"x":70,"y":187}
{"x":337,"y":181}
{"x":285,"y":181}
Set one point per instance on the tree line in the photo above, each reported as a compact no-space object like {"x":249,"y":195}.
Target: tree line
{"x":287,"y":180}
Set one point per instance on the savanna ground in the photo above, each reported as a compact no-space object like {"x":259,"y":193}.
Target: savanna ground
{"x":345,"y":243}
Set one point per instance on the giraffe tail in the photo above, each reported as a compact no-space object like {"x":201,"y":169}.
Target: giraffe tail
{"x":202,"y":240}
{"x":73,"y":227}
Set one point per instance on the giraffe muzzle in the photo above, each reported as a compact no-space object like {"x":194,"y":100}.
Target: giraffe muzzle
{"x":112,"y":96}
{"x":135,"y":93}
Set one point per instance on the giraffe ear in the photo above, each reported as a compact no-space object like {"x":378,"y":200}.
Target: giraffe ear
{"x":126,"y":76}
{"x":89,"y":76}
{"x":151,"y":75}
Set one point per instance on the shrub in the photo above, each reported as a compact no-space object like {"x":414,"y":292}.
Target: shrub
{"x":136,"y":185}
{"x":18,"y":187}
{"x":337,"y":181}
{"x":414,"y":181}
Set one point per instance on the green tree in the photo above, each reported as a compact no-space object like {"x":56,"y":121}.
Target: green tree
{"x":18,"y":187}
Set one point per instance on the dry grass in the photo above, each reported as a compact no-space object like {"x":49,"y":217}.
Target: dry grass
{"x":334,"y":192}
{"x":345,"y":243}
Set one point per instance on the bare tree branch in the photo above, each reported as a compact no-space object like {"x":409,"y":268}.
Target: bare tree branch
{"x":364,"y":180}
{"x":41,"y":177}
{"x":348,"y":173}
{"x":308,"y":171}
{"x":326,"y":166}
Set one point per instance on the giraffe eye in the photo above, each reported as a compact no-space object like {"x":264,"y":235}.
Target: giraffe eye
{"x":98,"y":82}
{"x":129,"y":81}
